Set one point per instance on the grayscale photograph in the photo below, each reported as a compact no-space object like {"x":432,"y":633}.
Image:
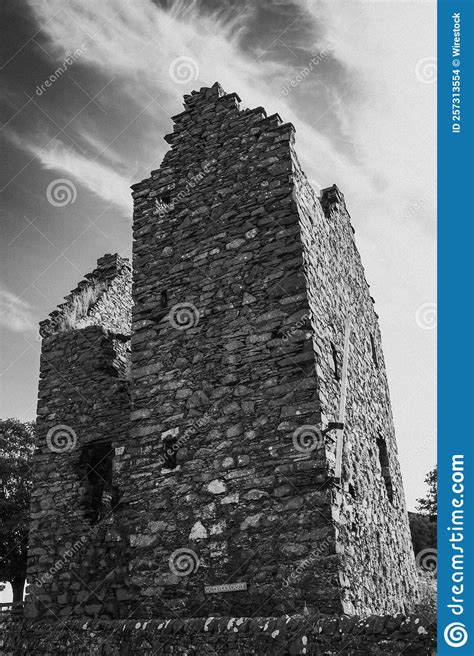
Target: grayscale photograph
{"x":218,"y":319}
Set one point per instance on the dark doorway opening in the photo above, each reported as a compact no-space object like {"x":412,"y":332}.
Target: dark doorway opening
{"x":101,"y":497}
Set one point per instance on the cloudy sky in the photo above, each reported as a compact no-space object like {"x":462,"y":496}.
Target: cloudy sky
{"x":364,"y":113}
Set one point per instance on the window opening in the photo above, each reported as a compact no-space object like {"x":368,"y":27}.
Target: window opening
{"x":101,"y":497}
{"x":335,"y":362}
{"x":385,"y":466}
{"x":374,"y":351}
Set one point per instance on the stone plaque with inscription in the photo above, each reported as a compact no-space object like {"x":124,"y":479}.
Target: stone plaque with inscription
{"x":225,"y":587}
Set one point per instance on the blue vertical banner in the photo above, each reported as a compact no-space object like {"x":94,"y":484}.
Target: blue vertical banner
{"x":455,"y":327}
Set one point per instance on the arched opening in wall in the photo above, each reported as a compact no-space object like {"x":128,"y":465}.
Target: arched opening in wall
{"x":164,"y":299}
{"x":385,"y":467}
{"x":100,"y":497}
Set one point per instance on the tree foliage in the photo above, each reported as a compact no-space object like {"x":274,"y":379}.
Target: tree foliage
{"x":16,"y":449}
{"x":428,"y":505}
{"x":423,"y":532}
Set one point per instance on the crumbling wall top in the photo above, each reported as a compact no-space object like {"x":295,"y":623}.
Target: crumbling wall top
{"x":103,"y":298}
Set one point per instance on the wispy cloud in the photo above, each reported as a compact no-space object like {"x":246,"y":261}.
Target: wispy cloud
{"x":15,"y":314}
{"x":368,"y":94}
{"x":98,"y":178}
{"x":139,"y":43}
{"x":396,"y":150}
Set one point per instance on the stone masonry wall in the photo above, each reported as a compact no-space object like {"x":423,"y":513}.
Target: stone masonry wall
{"x":373,"y":536}
{"x":76,"y":547}
{"x":191,"y":455}
{"x":236,"y":636}
{"x":112,"y":310}
{"x":216,"y":228}
{"x":241,"y":287}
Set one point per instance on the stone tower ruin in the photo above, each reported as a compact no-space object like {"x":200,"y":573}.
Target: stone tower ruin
{"x":230,"y":448}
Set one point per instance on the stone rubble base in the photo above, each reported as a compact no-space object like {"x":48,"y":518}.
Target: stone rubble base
{"x":234,"y":636}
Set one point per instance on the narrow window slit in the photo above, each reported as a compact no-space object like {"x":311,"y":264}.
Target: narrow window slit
{"x":374,"y":351}
{"x":385,"y":467}
{"x":335,"y":362}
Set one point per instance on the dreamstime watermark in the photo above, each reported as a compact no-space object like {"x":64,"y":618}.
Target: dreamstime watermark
{"x":71,"y":550}
{"x":295,"y":327}
{"x":417,"y":205}
{"x":69,"y":59}
{"x":317,"y":186}
{"x":426,"y":316}
{"x":426,"y":70}
{"x":162,"y":208}
{"x":61,"y":438}
{"x":61,"y":192}
{"x":455,"y":634}
{"x":183,"y":316}
{"x":316,"y":58}
{"x":427,"y":559}
{"x":183,"y":70}
{"x":300,"y":570}
{"x":420,"y":447}
{"x":172,"y":448}
{"x":183,"y":562}
{"x":307,"y":438}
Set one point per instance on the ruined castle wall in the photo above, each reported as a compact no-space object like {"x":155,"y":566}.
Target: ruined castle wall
{"x":369,"y":510}
{"x":76,"y":547}
{"x":200,"y":462}
{"x":110,"y":300}
{"x":220,"y":377}
{"x":313,"y":636}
